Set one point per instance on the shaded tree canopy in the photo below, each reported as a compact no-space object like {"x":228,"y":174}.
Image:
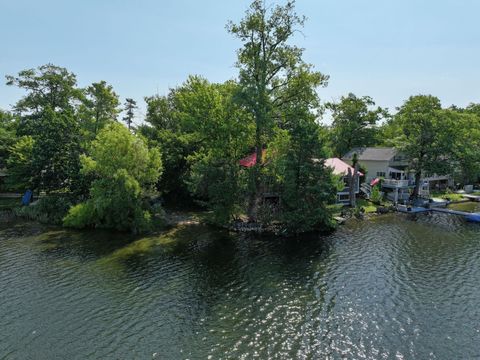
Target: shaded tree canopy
{"x":355,"y":121}
{"x":272,"y":74}
{"x":100,"y":105}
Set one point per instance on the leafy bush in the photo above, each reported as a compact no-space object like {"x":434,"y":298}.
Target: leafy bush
{"x":217,"y":185}
{"x":126,"y":171}
{"x":376,"y":195}
{"x":19,"y":165}
{"x":48,"y":210}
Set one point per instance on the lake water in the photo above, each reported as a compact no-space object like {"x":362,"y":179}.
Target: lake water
{"x":382,"y":289}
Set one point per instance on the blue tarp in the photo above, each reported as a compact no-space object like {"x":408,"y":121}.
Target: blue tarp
{"x":27,"y":198}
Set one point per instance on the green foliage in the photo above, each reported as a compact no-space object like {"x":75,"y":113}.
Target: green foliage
{"x":354,"y":123}
{"x":99,"y":107}
{"x":366,"y":205}
{"x":8,"y":125}
{"x":115,"y":203}
{"x":116,"y":148}
{"x":464,"y":151}
{"x":130,"y":106}
{"x":223,"y":130}
{"x":48,"y":210}
{"x":55,"y":153}
{"x":272,"y":75}
{"x":165,"y":130}
{"x":203,"y":133}
{"x":376,"y":195}
{"x":48,"y":86}
{"x":125,"y":171}
{"x":20,"y":165}
{"x":217,"y":184}
{"x":161,"y":111}
{"x":425,"y":136}
{"x":305,"y":185}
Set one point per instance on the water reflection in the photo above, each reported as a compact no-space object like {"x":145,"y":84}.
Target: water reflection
{"x":386,"y":288}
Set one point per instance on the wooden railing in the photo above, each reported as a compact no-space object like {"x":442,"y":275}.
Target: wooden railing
{"x":396,"y":183}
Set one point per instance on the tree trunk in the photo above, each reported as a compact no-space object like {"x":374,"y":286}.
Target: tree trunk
{"x":351,"y":185}
{"x":260,"y":117}
{"x":418,"y":176}
{"x":254,"y":195}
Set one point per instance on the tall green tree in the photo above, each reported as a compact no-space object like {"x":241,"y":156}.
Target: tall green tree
{"x":272,"y":73}
{"x":100,"y":106}
{"x":8,"y":125}
{"x":223,"y":131}
{"x":161,"y":111}
{"x":464,"y":139}
{"x":425,"y":136}
{"x":163,"y":128}
{"x":125,"y":170}
{"x":473,"y":108}
{"x":203,"y":132}
{"x":48,"y":87}
{"x":20,"y":165}
{"x":354,"y":124}
{"x":306,"y":186}
{"x":56,"y":151}
{"x":130,"y":106}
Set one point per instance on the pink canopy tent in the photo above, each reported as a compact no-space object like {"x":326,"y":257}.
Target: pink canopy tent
{"x":250,"y":160}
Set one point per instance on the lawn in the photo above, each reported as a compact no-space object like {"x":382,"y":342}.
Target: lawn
{"x":367,"y":205}
{"x":446,"y":195}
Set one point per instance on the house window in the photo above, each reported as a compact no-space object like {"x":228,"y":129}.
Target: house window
{"x":381,"y":174}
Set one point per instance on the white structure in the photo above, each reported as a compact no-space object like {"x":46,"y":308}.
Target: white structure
{"x":391,"y":165}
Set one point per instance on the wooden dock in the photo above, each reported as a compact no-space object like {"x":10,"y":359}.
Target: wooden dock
{"x":472,"y":217}
{"x":412,"y":209}
{"x":450,"y":211}
{"x":472,"y":197}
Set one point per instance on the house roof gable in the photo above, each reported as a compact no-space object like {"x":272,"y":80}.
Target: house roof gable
{"x":372,"y":153}
{"x":339,"y":167}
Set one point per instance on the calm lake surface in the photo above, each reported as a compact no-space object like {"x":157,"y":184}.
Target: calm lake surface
{"x":386,"y":288}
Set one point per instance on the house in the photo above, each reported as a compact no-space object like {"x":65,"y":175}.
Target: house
{"x":391,"y":165}
{"x":383,"y":162}
{"x":340,"y":168}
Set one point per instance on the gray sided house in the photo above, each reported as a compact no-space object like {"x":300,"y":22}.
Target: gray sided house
{"x":391,"y":165}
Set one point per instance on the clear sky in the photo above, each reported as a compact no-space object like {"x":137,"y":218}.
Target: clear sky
{"x":387,"y":49}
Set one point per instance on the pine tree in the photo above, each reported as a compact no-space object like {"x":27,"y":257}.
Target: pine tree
{"x":130,"y":106}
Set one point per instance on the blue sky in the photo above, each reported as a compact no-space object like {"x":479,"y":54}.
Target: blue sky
{"x":387,"y":49}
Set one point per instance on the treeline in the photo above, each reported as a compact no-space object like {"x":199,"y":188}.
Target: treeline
{"x":436,"y":140}
{"x":69,"y":142}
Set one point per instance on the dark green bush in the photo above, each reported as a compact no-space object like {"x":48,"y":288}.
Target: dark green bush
{"x":48,"y":210}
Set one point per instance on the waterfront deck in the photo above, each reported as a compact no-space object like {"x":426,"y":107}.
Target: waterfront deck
{"x":412,"y":209}
{"x":472,"y":217}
